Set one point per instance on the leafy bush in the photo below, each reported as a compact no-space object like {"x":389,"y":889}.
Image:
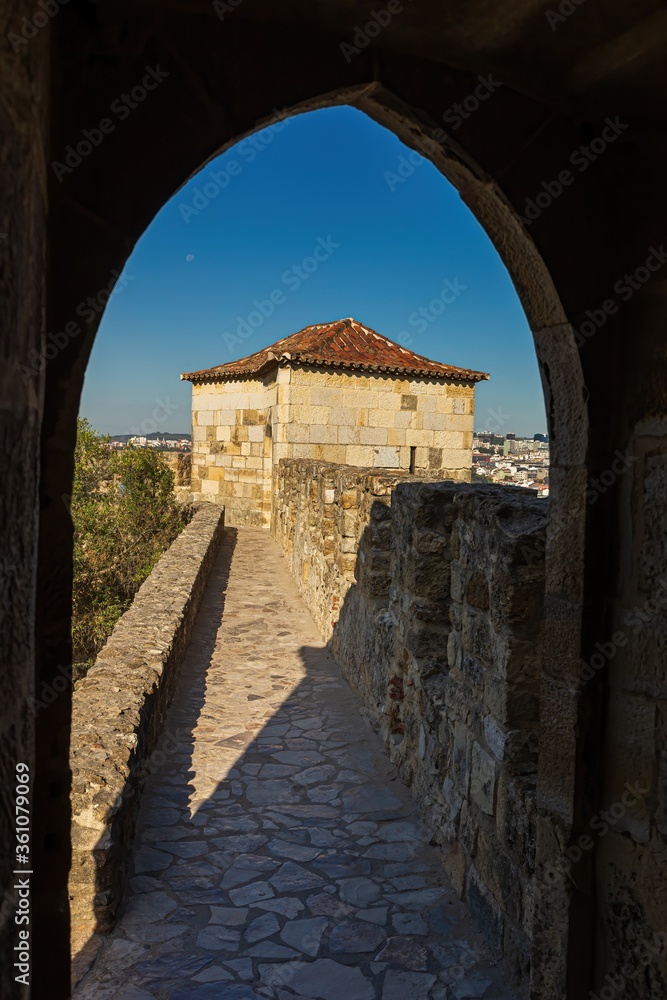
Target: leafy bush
{"x":125,"y":516}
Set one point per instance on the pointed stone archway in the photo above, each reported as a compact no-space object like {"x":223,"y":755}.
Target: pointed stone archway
{"x":585,"y":248}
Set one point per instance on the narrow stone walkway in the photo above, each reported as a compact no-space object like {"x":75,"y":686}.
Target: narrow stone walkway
{"x":277,"y":853}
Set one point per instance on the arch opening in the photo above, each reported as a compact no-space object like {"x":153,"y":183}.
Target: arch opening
{"x":554,"y":341}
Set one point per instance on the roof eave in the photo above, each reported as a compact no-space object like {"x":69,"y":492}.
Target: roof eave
{"x":456,"y":375}
{"x":212,"y":375}
{"x":219,"y":375}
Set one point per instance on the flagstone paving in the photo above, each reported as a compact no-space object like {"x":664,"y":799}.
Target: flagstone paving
{"x":277,"y":853}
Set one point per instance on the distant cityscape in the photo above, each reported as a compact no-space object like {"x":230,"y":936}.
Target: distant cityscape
{"x":506,"y":459}
{"x":511,"y":460}
{"x":168,"y":441}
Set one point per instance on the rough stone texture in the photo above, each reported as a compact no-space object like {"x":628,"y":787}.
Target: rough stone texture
{"x":232,"y":445}
{"x":605,"y":392}
{"x":242,"y":428}
{"x":119,"y":709}
{"x":179,"y":462}
{"x":24,"y":81}
{"x":441,"y":637}
{"x":320,"y":512}
{"x":631,"y":858}
{"x":217,"y":897}
{"x":448,"y":666}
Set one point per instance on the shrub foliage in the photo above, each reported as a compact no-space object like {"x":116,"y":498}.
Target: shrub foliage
{"x":125,"y":516}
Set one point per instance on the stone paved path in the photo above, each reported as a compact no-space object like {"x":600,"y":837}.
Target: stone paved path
{"x":277,"y":853}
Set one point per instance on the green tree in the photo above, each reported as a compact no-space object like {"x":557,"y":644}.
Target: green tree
{"x":125,"y":516}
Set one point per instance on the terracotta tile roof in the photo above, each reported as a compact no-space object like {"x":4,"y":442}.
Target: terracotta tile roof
{"x":343,"y":344}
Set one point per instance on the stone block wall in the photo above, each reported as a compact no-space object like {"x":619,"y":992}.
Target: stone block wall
{"x":450,"y":676}
{"x":179,"y":462}
{"x":630,"y":816}
{"x":231,"y":447}
{"x":320,"y":511}
{"x":242,"y":429}
{"x":374,"y":420}
{"x":435,"y":617}
{"x":118,"y":711}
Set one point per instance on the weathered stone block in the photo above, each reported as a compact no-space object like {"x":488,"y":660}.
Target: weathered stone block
{"x":386,"y":457}
{"x":455,"y":862}
{"x":461,"y":758}
{"x":654,"y":513}
{"x":485,"y":910}
{"x":500,"y":875}
{"x":477,"y":635}
{"x":477,"y":592}
{"x":516,"y":818}
{"x":483,"y":779}
{"x":517,"y":949}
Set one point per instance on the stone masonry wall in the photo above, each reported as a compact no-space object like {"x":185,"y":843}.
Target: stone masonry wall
{"x":449,"y":672}
{"x":320,"y":511}
{"x":118,"y":711}
{"x":231,"y":447}
{"x":438,"y":601}
{"x":180,"y":463}
{"x":243,"y":428}
{"x":374,"y":420}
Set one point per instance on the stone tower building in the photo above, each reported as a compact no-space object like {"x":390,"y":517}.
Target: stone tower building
{"x":338,"y":392}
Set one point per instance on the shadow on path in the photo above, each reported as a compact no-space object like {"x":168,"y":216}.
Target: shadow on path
{"x":277,"y":854}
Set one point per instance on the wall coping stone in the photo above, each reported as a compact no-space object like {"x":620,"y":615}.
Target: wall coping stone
{"x":118,"y":712}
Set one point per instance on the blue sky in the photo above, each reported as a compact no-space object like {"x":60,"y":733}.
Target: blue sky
{"x":403,"y":255}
